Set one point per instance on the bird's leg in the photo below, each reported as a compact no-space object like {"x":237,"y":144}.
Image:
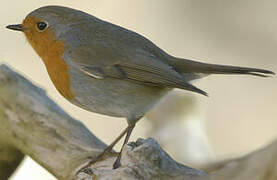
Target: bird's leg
{"x":107,"y":149}
{"x":129,"y":131}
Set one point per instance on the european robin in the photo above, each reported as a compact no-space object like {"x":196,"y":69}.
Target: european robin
{"x":110,"y":70}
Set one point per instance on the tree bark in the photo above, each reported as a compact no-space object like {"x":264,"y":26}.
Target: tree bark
{"x":10,"y":158}
{"x":33,"y":125}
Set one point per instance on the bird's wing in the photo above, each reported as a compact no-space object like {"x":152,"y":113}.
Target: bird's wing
{"x":141,"y":68}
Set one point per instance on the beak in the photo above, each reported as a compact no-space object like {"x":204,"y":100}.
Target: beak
{"x":16,"y":27}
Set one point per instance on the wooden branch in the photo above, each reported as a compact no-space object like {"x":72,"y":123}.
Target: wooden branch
{"x":258,"y":165}
{"x":10,"y":158}
{"x":34,"y":125}
{"x":143,"y":159}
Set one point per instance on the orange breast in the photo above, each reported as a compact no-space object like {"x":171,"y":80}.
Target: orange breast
{"x":50,"y":50}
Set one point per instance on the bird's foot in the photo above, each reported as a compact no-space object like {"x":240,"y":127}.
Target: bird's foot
{"x":98,"y":158}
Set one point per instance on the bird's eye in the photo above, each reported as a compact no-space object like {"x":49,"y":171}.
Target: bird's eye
{"x":41,"y":26}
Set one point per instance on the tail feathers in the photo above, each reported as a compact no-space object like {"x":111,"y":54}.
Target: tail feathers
{"x":189,"y":66}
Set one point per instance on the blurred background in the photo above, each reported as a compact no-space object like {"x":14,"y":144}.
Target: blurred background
{"x":239,"y":116}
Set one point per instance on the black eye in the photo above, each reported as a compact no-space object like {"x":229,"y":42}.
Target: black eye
{"x":41,"y":25}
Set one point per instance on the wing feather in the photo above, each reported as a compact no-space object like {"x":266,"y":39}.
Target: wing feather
{"x":142,"y":69}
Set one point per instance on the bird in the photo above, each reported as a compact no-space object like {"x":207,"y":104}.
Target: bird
{"x":107,"y":69}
